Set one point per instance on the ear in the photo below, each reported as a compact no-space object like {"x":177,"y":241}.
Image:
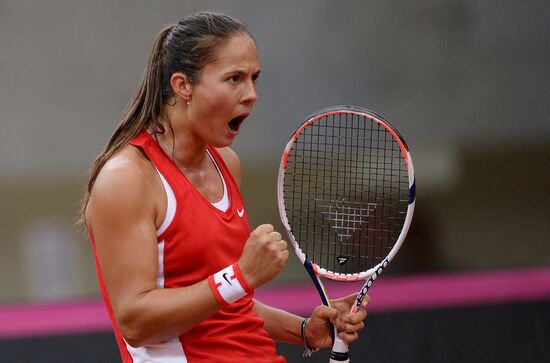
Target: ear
{"x":181,"y":86}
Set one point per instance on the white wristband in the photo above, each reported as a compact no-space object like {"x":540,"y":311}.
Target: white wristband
{"x":229,"y":285}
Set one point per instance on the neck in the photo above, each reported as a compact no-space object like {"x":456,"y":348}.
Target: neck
{"x":186,"y":150}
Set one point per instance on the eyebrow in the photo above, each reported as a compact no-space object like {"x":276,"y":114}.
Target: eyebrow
{"x":242,"y":71}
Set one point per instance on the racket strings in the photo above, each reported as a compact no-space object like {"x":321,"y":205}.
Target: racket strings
{"x":346,"y":192}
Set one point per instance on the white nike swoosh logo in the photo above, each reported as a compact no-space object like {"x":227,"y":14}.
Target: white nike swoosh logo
{"x":240,"y":212}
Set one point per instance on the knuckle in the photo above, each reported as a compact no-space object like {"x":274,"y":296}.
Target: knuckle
{"x":276,"y":250}
{"x":269,"y":251}
{"x":263,"y":239}
{"x":276,"y":236}
{"x":261,"y":229}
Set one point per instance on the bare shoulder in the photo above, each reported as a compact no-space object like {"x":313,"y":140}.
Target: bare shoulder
{"x":123,"y":187}
{"x":129,"y":168}
{"x":232,"y":161}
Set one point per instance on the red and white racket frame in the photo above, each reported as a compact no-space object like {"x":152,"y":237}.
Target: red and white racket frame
{"x":340,"y":352}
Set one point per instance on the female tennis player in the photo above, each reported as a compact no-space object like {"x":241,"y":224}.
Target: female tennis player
{"x":177,"y":261}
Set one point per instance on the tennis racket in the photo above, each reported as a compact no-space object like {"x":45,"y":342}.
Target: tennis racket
{"x":346,"y":195}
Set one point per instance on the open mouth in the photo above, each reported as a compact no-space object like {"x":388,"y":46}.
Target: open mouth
{"x":236,"y":123}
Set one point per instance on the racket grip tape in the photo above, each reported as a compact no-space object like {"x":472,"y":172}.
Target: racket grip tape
{"x":339,"y":352}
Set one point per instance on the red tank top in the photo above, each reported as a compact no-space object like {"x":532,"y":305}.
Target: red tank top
{"x":200,"y":241}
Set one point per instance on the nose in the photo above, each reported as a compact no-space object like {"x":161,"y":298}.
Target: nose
{"x":250,"y":95}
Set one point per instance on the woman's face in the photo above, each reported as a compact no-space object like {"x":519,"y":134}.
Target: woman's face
{"x":226,"y":92}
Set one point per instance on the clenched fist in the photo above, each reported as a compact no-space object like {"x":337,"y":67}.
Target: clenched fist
{"x":264,"y":255}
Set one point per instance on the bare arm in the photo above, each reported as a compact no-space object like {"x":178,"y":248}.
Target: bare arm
{"x":121,"y":215}
{"x":286,"y":327}
{"x":281,"y":325}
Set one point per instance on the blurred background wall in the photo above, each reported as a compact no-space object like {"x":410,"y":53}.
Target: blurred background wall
{"x":467,"y":83}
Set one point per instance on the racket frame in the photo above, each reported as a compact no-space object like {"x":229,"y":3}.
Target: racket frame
{"x":340,"y":350}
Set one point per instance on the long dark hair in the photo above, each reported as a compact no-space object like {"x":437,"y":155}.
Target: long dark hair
{"x":183,"y":47}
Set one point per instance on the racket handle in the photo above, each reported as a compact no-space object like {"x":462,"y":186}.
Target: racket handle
{"x":339,"y":352}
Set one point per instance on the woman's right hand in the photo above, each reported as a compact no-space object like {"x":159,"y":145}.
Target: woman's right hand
{"x":264,"y":255}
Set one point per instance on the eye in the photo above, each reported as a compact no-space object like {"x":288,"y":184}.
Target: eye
{"x":255,"y":77}
{"x":234,"y":78}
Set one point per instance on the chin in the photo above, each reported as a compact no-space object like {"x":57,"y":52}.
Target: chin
{"x":220,"y":144}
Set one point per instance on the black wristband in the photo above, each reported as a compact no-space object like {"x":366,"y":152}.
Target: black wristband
{"x":308,"y":351}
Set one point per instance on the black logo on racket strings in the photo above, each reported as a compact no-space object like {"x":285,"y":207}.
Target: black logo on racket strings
{"x":226,"y":279}
{"x":342,"y":259}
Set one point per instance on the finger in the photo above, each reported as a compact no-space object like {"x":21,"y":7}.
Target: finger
{"x":348,"y":337}
{"x":325,"y":313}
{"x":275,"y":236}
{"x":344,"y":304}
{"x":264,"y":228}
{"x":282,"y":258}
{"x":283,"y":245}
{"x":350,"y":298}
{"x":353,"y":328}
{"x":280,"y":245}
{"x":359,"y":315}
{"x":363,"y":304}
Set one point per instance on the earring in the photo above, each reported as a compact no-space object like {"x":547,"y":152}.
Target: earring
{"x":188,"y":103}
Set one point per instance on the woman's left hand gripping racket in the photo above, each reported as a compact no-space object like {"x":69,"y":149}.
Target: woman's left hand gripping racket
{"x":346,"y":195}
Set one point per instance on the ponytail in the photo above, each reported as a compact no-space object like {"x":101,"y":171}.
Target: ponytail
{"x":185,"y":47}
{"x":145,"y":112}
